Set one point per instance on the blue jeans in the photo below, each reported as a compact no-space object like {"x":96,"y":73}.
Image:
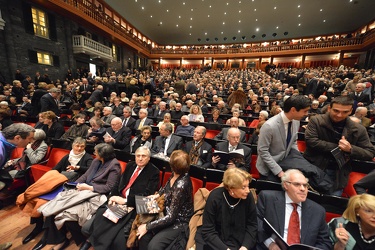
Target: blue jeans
{"x":332,"y":175}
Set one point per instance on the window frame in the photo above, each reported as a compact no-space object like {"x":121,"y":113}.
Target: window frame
{"x":40,"y":30}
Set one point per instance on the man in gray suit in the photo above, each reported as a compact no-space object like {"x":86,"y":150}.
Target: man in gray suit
{"x":278,"y":137}
{"x":280,"y":207}
{"x":166,"y":142}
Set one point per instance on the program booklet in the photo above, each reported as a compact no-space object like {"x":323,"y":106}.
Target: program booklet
{"x":340,"y":157}
{"x":283,"y":245}
{"x":146,"y":205}
{"x":225,"y":157}
{"x":116,"y":212}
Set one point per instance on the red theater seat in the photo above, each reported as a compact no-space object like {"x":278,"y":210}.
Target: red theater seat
{"x":38,"y":170}
{"x":210,"y":134}
{"x":349,"y":190}
{"x":254,"y":171}
{"x":197,"y":184}
{"x":301,"y":146}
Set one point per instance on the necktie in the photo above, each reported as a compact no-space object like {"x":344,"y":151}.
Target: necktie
{"x":163,"y":145}
{"x":231,"y":148}
{"x":125,"y":122}
{"x":131,"y":181}
{"x":289,"y":135}
{"x":140,"y":125}
{"x":293,"y":227}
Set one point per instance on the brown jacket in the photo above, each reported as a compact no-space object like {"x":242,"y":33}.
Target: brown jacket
{"x":29,"y":202}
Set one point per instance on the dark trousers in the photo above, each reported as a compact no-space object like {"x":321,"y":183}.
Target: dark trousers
{"x":159,"y":241}
{"x":55,"y":236}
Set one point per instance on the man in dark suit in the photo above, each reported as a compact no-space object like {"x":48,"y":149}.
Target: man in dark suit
{"x":97,"y":95}
{"x":127,"y":120}
{"x":312,"y":84}
{"x":223,"y":135}
{"x":143,"y":120}
{"x":119,"y":136}
{"x":360,"y":99}
{"x":85,"y":89}
{"x":161,"y":111}
{"x":232,"y":144}
{"x":107,"y":234}
{"x":49,"y":101}
{"x":166,"y":142}
{"x":200,"y":152}
{"x":177,"y":113}
{"x":279,"y":207}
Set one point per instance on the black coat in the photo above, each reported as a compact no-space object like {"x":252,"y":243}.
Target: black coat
{"x":48,"y":103}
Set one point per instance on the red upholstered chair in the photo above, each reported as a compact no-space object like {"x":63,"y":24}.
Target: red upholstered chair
{"x":38,"y":170}
{"x":166,"y":177}
{"x":197,"y":184}
{"x":254,"y":171}
{"x":211,"y":133}
{"x":16,"y":153}
{"x":330,"y":216}
{"x":353,"y":178}
{"x":211,"y":185}
{"x":301,"y":146}
{"x":123,"y":166}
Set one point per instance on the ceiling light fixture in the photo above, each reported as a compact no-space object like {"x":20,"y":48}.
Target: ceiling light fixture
{"x":264,"y":35}
{"x":253,"y":36}
{"x":286,"y":33}
{"x":243,"y":37}
{"x":225,"y":38}
{"x":234,"y":38}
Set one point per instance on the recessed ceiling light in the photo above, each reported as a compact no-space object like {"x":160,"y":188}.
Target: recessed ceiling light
{"x":183,"y":3}
{"x":257,"y":29}
{"x":159,"y":1}
{"x":256,"y":20}
{"x":167,"y":10}
{"x":191,"y":18}
{"x":299,"y":6}
{"x":239,"y":21}
{"x":227,"y":3}
{"x":143,"y":8}
{"x":321,"y":9}
{"x":239,"y":31}
{"x":239,"y":11}
{"x":179,"y":16}
{"x":191,"y":26}
{"x":192,"y":9}
{"x":274,"y":8}
{"x":176,"y":25}
{"x":299,"y":15}
{"x":277,"y":27}
{"x":255,"y":9}
{"x":223,"y":23}
{"x":151,"y":16}
{"x":161,"y":22}
{"x":208,"y":15}
{"x":239,"y":1}
{"x":222,"y":32}
{"x":299,"y":24}
{"x":324,"y":21}
{"x":205,"y":33}
{"x":189,"y":34}
{"x":225,"y":13}
{"x":210,"y":6}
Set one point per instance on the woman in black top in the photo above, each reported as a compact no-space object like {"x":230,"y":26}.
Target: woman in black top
{"x":53,"y":128}
{"x":172,"y":228}
{"x":229,"y":218}
{"x":144,"y":139}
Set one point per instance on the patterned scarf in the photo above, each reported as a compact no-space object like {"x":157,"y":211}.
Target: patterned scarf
{"x":194,"y":152}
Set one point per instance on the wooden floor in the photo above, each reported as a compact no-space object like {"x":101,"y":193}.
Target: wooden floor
{"x":15,"y":226}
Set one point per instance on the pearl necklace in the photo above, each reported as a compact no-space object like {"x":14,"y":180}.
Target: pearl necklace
{"x":231,"y":206}
{"x":363,"y":238}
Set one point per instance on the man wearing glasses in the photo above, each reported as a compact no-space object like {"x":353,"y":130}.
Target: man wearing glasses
{"x":295,"y":218}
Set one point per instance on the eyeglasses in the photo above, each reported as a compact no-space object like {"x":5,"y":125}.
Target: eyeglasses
{"x":297,"y":184}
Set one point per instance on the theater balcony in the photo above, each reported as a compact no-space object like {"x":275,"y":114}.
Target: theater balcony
{"x":85,"y":45}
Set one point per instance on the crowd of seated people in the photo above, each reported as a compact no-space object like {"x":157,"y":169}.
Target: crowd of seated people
{"x":129,"y":124}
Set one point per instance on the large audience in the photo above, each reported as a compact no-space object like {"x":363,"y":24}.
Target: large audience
{"x":167,"y":114}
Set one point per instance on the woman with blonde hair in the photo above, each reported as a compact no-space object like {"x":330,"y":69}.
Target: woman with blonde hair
{"x":196,"y":114}
{"x":356,"y":228}
{"x":167,"y":119}
{"x":229,"y":217}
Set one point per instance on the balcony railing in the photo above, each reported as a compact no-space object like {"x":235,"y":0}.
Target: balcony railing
{"x":82,"y":44}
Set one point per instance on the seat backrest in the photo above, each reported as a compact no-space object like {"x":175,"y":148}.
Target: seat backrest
{"x":349,"y":190}
{"x":254,"y":171}
{"x":16,"y":153}
{"x":56,"y":155}
{"x":197,"y":184}
{"x":301,"y":146}
{"x":211,"y":133}
{"x":123,"y":166}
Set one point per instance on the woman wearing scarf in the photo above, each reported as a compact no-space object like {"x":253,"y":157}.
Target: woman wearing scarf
{"x":76,"y":162}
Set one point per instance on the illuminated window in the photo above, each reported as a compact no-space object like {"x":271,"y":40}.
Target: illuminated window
{"x":114,"y":52}
{"x":40,"y":23}
{"x":44,"y":58}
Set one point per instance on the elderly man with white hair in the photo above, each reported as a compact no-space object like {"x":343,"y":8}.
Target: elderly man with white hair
{"x":361,"y":113}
